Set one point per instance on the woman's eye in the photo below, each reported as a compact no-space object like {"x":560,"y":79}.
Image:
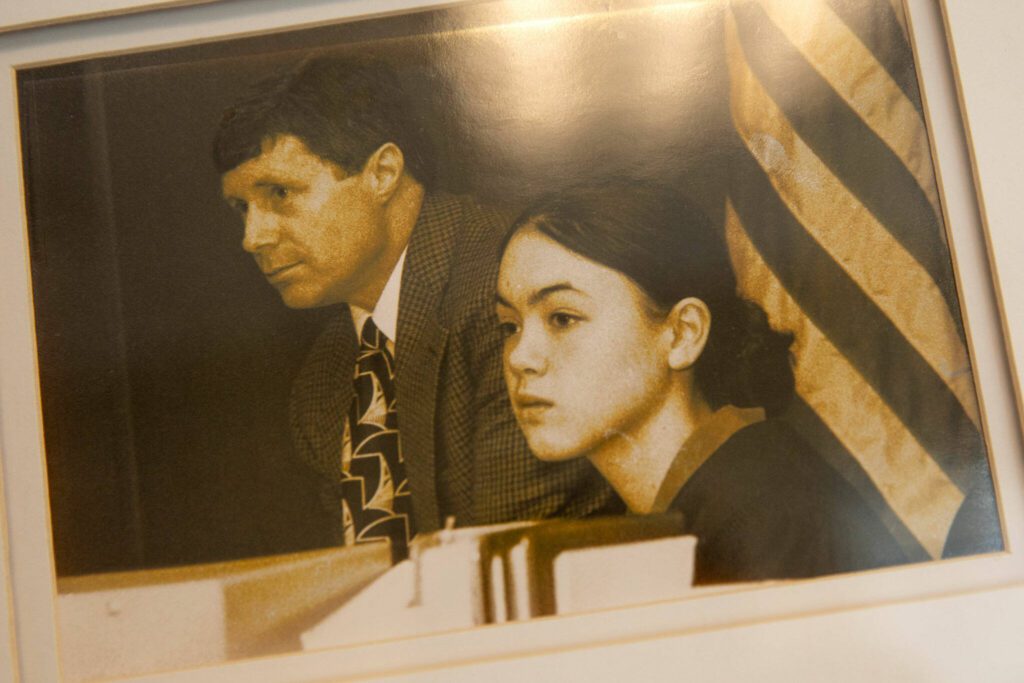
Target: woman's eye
{"x":278,"y":192}
{"x":563,"y":320}
{"x":508,"y":328}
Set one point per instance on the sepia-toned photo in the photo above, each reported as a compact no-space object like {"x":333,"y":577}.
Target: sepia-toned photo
{"x":474,"y":315}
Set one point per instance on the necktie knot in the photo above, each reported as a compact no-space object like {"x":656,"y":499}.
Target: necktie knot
{"x":371,"y":337}
{"x":375,"y":360}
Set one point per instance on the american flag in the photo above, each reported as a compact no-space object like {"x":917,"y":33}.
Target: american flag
{"x":835,"y":225}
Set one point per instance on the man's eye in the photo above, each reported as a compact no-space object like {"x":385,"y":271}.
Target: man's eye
{"x":563,"y":320}
{"x":278,"y":192}
{"x":240,"y":206}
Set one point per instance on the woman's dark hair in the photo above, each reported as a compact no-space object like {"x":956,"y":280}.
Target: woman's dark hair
{"x":669,"y":248}
{"x":343,"y":108}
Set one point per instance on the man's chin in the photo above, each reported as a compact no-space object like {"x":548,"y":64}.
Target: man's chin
{"x":298,"y":298}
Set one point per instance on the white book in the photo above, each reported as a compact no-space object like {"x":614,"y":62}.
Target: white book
{"x":456,"y":579}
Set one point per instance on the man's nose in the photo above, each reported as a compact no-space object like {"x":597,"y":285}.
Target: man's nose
{"x":261,"y":230}
{"x":528,"y":352}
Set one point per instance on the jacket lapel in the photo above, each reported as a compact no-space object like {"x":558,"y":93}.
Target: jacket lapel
{"x":329,"y":397}
{"x":422,"y":338}
{"x":336,"y":392}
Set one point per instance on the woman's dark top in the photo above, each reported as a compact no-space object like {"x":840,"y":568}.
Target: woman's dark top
{"x":765,"y":505}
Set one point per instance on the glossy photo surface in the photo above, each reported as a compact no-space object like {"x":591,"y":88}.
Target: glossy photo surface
{"x":178,"y":305}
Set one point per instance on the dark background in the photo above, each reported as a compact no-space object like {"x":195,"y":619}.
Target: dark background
{"x":165,"y":359}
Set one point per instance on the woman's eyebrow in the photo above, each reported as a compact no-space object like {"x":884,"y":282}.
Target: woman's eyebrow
{"x":544,"y":292}
{"x":541,"y":294}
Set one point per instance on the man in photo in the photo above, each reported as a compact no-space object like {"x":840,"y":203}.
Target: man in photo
{"x":399,"y":406}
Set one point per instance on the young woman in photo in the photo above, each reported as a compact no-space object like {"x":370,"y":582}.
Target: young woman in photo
{"x":626,"y":343}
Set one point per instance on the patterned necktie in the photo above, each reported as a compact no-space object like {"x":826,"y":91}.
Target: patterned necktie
{"x":375,"y":491}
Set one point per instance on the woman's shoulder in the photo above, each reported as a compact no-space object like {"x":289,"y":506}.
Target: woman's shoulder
{"x":767,"y":505}
{"x":769,"y":464}
{"x":762,"y":452}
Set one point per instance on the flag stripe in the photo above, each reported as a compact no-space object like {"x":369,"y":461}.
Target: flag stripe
{"x":847,"y":146}
{"x":855,"y":325}
{"x":851,"y":235}
{"x":901,"y":19}
{"x":908,"y":478}
{"x":808,"y":423}
{"x":878,"y":26}
{"x":856,"y":75}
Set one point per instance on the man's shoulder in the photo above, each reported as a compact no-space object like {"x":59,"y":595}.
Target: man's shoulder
{"x":466,"y":219}
{"x":463,"y":237}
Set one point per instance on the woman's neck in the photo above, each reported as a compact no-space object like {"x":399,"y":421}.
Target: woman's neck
{"x":635,"y":463}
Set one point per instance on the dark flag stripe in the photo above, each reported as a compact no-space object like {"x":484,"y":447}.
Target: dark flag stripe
{"x":809,"y":425}
{"x":976,"y":526}
{"x":857,"y":328}
{"x":876,"y":25}
{"x":841,"y":139}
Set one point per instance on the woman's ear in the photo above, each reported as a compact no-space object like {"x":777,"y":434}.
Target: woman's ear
{"x":384,"y":170}
{"x":690,"y":323}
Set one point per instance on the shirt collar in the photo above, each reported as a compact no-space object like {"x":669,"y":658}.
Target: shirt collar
{"x":700,"y":445}
{"x":385,"y":313}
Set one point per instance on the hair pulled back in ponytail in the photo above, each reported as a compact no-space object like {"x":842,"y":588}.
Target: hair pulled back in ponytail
{"x":745,"y":362}
{"x":670,"y":250}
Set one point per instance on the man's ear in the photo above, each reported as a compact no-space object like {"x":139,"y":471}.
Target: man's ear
{"x":383,"y":170}
{"x":689,"y":322}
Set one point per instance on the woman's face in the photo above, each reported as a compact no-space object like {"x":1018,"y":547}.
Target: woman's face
{"x":585,"y":356}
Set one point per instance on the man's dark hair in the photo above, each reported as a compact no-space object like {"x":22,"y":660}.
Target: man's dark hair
{"x":342,"y":108}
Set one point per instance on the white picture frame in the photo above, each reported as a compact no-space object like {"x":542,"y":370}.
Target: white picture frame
{"x":25,"y":15}
{"x":849,"y":617}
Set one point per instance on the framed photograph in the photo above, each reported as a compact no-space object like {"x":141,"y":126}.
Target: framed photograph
{"x":148,"y":372}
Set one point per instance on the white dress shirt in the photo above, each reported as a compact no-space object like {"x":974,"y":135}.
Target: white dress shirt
{"x":385,"y":312}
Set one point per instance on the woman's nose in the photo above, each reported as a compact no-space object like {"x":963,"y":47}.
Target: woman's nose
{"x":528,"y":352}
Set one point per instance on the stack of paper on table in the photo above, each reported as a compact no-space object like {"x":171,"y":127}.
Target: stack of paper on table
{"x":459,"y":578}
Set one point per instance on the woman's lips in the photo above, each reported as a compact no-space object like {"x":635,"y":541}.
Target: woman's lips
{"x":530,"y":407}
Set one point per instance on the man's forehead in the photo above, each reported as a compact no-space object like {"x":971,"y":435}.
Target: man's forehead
{"x":286,"y":153}
{"x":282,"y":158}
{"x":283,"y":142}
